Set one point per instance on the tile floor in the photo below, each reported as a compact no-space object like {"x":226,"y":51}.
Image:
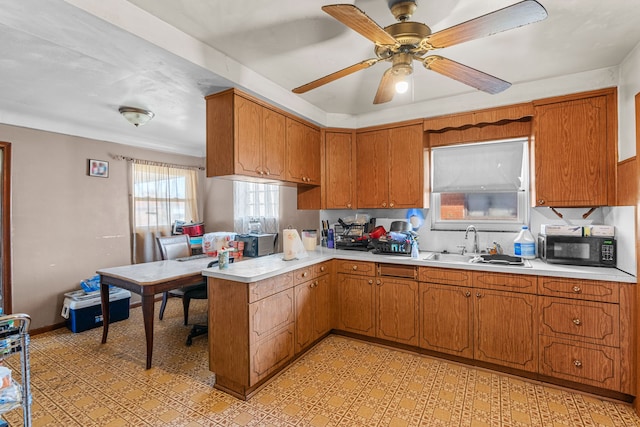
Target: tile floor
{"x":76,"y":381}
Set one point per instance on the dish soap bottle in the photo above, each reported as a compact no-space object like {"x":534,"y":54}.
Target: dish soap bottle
{"x":415,"y":253}
{"x":524,"y":244}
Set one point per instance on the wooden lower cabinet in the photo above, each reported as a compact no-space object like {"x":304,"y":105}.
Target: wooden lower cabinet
{"x":397,"y":310}
{"x":356,"y":304}
{"x":249,"y":338}
{"x":505,"y":331}
{"x":446,"y":322}
{"x":313,"y":311}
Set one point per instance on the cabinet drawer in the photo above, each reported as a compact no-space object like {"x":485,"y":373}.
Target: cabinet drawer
{"x":580,"y":362}
{"x":270,"y":314}
{"x":398,"y":270}
{"x":445,"y":276}
{"x":505,"y":281}
{"x":270,"y":354}
{"x":594,"y":322}
{"x":267,"y":287}
{"x":301,"y":275}
{"x":594,"y":290}
{"x":322,"y":268}
{"x":356,"y":267}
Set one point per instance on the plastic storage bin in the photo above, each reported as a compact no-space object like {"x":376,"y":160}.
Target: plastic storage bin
{"x":84,"y":311}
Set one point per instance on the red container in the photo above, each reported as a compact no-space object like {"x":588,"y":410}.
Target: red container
{"x":193,"y":230}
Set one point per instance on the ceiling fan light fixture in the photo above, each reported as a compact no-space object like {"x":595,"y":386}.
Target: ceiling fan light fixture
{"x":136,"y":116}
{"x":402,"y":86}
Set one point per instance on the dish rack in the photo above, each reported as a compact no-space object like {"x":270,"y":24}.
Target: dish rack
{"x":14,"y":341}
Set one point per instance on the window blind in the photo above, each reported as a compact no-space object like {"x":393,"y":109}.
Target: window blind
{"x":482,"y":167}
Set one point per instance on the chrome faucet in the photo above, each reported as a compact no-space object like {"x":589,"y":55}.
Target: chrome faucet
{"x":475,"y":249}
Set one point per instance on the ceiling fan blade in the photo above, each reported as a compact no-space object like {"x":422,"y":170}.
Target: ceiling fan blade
{"x":358,"y":21}
{"x":386,"y":88}
{"x":335,"y":76}
{"x":467,"y":75}
{"x":514,"y":16}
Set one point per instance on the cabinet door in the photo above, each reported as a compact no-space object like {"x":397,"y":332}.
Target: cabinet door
{"x":406,"y":167}
{"x":339,"y":170}
{"x":304,"y":315}
{"x":248,"y":133}
{"x":397,"y":310}
{"x":322,"y":306}
{"x":571,"y":143}
{"x":356,"y":301}
{"x":372,"y":169}
{"x":505,"y":329}
{"x":303,"y":153}
{"x":274,"y":144}
{"x":446,"y":322}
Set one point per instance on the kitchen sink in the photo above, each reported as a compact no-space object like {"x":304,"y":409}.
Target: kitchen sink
{"x":447,"y":257}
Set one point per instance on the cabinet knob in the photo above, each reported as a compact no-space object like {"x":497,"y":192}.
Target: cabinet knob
{"x":467,"y":294}
{"x":371,"y":281}
{"x":577,"y":322}
{"x":378,"y":282}
{"x":577,"y":289}
{"x":267,"y":172}
{"x":349,"y":205}
{"x":384,"y":204}
{"x":322,"y":268}
{"x":305,"y":274}
{"x":577,"y":363}
{"x":478,"y":295}
{"x":540,"y":202}
{"x":391,"y":204}
{"x":355,"y":267}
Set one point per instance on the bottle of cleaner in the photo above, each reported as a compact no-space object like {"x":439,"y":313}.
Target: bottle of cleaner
{"x":415,"y":253}
{"x":525,"y":245}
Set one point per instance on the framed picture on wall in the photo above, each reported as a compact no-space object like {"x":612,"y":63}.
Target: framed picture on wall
{"x":98,"y":168}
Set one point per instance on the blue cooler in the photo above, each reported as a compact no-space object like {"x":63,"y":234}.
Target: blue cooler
{"x":83,"y":311}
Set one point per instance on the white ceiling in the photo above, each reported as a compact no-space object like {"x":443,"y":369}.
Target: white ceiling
{"x":66,"y":66}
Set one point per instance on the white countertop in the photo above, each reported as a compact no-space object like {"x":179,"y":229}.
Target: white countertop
{"x":254,"y":269}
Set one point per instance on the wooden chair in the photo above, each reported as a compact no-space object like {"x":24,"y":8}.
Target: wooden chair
{"x":172,"y":247}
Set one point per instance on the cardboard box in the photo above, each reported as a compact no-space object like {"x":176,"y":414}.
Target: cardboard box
{"x":86,"y":313}
{"x":600,"y":230}
{"x":561,"y":230}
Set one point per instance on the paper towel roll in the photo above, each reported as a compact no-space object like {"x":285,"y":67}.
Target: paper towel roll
{"x":292,"y":245}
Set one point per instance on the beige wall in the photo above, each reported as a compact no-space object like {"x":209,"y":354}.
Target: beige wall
{"x":66,"y":224}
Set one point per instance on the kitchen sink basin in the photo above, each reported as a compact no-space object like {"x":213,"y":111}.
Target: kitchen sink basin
{"x":442,"y":257}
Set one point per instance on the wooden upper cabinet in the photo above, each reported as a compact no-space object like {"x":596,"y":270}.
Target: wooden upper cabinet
{"x":389,"y":173}
{"x":303,"y":153}
{"x":339,"y":169}
{"x":244,"y":137}
{"x":575,"y":150}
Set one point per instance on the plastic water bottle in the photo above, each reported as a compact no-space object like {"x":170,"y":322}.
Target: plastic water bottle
{"x":525,"y":245}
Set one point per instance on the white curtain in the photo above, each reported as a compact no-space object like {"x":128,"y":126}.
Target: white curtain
{"x":159,"y":195}
{"x":256,"y":203}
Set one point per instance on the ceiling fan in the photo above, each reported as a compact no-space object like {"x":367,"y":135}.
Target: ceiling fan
{"x":407,"y":41}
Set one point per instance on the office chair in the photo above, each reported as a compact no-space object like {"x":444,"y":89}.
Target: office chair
{"x":172,"y":247}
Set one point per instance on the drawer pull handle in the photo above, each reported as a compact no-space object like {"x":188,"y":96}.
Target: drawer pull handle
{"x":577,"y":363}
{"x":355,"y":267}
{"x":577,"y":289}
{"x":577,"y":322}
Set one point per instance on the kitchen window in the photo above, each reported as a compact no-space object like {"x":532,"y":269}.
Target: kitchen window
{"x":484,"y":184}
{"x":256,"y":207}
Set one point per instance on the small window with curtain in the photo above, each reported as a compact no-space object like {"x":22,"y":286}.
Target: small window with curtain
{"x":484,"y":184}
{"x":256,"y":207}
{"x":160,"y":195}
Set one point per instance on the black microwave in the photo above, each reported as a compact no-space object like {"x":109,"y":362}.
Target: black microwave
{"x":576,"y":250}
